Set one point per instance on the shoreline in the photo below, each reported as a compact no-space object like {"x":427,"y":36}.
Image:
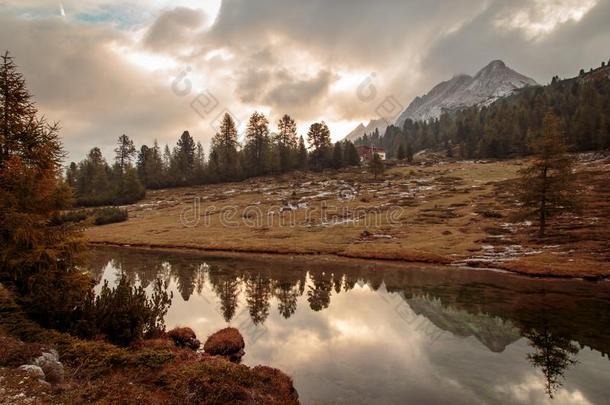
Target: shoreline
{"x":233,"y":253}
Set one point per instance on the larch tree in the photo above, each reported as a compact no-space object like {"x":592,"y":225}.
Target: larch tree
{"x":36,"y":257}
{"x":547,"y":185}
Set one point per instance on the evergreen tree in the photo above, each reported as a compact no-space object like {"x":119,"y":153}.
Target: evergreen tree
{"x":319,"y":139}
{"x":125,"y":152}
{"x":185,"y":158}
{"x":286,"y":141}
{"x":302,"y":157}
{"x":199,"y":165}
{"x":547,"y":185}
{"x":409,"y":153}
{"x":257,"y":147}
{"x":224,"y":147}
{"x":401,"y":154}
{"x":338,"y":155}
{"x":351,"y":154}
{"x":142,"y":164}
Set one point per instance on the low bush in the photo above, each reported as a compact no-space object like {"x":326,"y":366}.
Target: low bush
{"x":110,"y":215}
{"x":125,"y":313}
{"x":70,"y":217}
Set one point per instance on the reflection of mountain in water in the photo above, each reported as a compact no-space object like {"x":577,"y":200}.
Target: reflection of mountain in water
{"x":494,"y":332}
{"x":494,"y":308}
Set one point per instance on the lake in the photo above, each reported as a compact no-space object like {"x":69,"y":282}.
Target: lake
{"x":354,"y":332}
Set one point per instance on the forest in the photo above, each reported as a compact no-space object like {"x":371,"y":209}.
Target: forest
{"x":507,"y":127}
{"x":96,"y":182}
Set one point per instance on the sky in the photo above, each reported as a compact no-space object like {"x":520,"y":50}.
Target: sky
{"x":154,"y":68}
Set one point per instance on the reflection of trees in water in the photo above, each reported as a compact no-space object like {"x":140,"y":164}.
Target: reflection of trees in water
{"x":258,"y":294}
{"x":462,"y":298}
{"x":96,"y":264}
{"x":553,"y":355}
{"x":287,"y":295}
{"x":185,"y":274}
{"x":227,"y":289}
{"x":318,"y":295}
{"x":337,"y":282}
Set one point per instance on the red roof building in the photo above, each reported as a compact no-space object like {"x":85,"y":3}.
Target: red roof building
{"x":366,"y":153}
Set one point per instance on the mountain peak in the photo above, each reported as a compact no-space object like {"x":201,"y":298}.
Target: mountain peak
{"x":496,"y":63}
{"x":494,"y":81}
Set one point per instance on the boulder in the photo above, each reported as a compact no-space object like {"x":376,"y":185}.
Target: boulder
{"x":33,"y":371}
{"x":53,"y":369}
{"x":184,"y":337}
{"x":226,"y":342}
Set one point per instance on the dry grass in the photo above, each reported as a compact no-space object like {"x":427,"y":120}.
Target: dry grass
{"x":435,"y":213}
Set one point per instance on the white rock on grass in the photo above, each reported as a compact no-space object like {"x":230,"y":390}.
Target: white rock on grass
{"x":53,"y":369}
{"x":33,"y":371}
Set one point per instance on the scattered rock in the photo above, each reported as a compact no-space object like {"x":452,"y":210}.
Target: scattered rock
{"x":365,"y":234}
{"x":184,"y":337}
{"x":33,"y":371}
{"x":50,"y":365}
{"x":226,"y":342}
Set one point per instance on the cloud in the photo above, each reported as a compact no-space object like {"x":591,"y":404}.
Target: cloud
{"x":173,"y":29}
{"x":299,"y":96}
{"x":106,"y":68}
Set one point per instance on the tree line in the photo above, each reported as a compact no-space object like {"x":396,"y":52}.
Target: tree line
{"x":508,"y":127}
{"x":96,"y":182}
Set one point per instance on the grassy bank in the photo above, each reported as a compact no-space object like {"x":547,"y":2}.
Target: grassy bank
{"x":152,"y":371}
{"x":461,"y":213}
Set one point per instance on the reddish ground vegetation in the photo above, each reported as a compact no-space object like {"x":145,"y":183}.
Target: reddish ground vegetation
{"x":184,"y":337}
{"x":149,"y":372}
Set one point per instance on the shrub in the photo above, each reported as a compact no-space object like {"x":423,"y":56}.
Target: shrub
{"x":56,"y":296}
{"x":125,"y":314}
{"x":184,"y":337}
{"x":110,"y":215}
{"x":225,"y":342}
{"x":70,"y":217}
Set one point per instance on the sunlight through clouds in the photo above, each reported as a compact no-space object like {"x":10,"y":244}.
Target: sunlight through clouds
{"x":543,"y":16}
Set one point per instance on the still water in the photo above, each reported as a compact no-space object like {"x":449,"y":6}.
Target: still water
{"x":361,"y":333}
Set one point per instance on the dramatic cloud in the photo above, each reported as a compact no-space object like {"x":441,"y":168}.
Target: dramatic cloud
{"x":173,"y":28}
{"x":105,"y":67}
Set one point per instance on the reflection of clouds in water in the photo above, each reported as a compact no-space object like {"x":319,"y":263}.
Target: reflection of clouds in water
{"x":344,"y":338}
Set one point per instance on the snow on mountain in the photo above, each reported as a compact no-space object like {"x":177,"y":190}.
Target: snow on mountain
{"x":494,"y":81}
{"x":491,"y":83}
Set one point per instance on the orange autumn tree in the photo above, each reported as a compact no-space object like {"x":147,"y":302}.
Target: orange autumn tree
{"x":37,"y":259}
